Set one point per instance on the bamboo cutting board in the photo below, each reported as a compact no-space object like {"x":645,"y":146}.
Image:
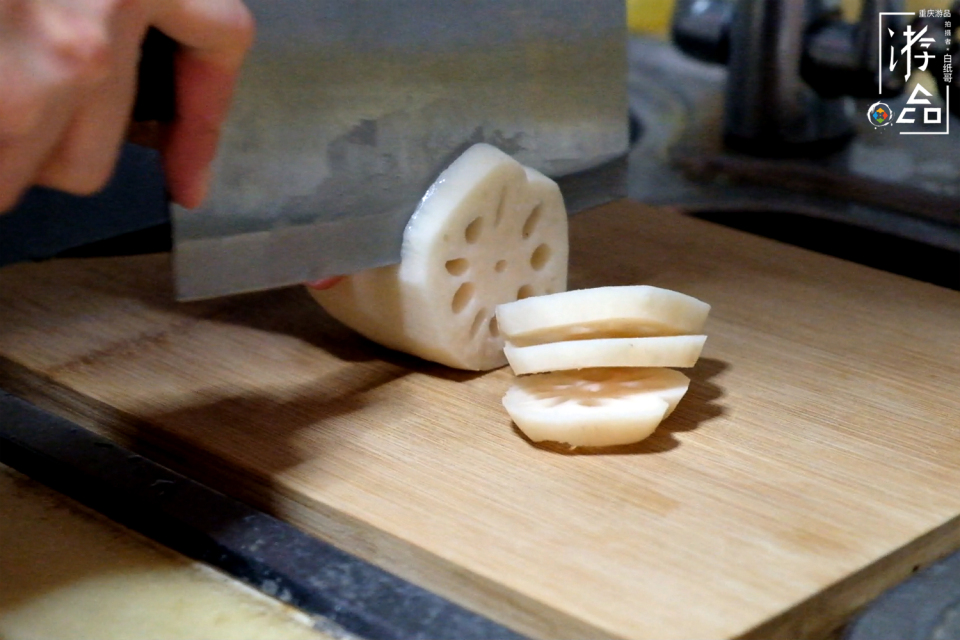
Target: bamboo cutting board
{"x":814,"y":461}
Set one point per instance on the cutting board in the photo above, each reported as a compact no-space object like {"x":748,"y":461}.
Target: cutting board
{"x":814,"y":462}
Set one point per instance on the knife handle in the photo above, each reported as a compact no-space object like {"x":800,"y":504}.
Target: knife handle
{"x":155,"y":102}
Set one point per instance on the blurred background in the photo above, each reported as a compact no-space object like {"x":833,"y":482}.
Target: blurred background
{"x":881,"y":199}
{"x":652,"y":17}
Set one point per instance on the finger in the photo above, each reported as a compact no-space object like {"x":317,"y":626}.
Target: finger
{"x":23,"y":148}
{"x":77,"y":34}
{"x":46,"y":51}
{"x":325,"y":283}
{"x":22,"y":157}
{"x":86,"y":154}
{"x":21,"y":112}
{"x":214,"y":36}
{"x":26,"y":82}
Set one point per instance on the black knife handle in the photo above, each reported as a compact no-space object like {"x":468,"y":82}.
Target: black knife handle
{"x":155,"y":99}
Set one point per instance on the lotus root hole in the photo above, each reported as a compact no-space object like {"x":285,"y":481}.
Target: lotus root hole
{"x":472,"y":233}
{"x":494,"y":327}
{"x":462,"y":297}
{"x":540,"y":256}
{"x":457,"y":267}
{"x":524,"y":292}
{"x":478,"y":321}
{"x":501,"y":266}
{"x":532,"y":220}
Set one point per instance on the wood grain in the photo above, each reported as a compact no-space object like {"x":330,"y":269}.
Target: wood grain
{"x":814,"y":462}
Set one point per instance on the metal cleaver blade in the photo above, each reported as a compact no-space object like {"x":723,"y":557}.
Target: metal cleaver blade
{"x":348,"y":110}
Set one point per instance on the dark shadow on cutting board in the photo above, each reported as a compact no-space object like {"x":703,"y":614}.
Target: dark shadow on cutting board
{"x":697,"y":406}
{"x":288,"y":311}
{"x":292,"y":312}
{"x":240,"y":444}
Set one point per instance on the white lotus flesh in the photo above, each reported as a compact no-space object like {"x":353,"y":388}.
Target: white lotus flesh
{"x":594,"y":407}
{"x":488,"y":231}
{"x":661,"y":351}
{"x":602,"y":312}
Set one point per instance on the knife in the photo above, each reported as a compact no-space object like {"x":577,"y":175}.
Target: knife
{"x":346,"y":111}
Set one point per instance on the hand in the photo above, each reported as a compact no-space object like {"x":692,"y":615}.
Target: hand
{"x":325,"y":283}
{"x":68,"y":76}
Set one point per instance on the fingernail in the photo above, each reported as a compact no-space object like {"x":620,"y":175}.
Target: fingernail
{"x":324,"y":283}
